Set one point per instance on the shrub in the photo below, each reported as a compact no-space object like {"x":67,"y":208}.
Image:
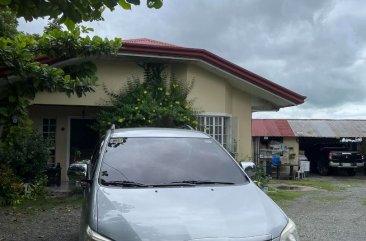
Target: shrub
{"x":11,"y":187}
{"x":157,"y":101}
{"x":261,"y":178}
{"x":25,"y":152}
{"x":38,"y":187}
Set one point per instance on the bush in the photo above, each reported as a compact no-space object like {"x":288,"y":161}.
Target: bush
{"x":261,"y":178}
{"x":157,"y":101}
{"x":11,"y":187}
{"x":25,"y":152}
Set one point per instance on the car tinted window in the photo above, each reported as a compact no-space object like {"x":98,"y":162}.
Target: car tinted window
{"x":166,"y":160}
{"x":96,"y":154}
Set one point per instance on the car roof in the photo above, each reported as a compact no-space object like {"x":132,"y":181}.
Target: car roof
{"x":158,"y":132}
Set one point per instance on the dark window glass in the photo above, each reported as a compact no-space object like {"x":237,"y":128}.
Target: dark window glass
{"x":166,"y":160}
{"x":96,"y":154}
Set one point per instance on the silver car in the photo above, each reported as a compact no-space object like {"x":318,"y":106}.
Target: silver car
{"x":154,"y":184}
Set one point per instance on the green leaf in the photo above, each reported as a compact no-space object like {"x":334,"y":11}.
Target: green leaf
{"x":69,"y":24}
{"x":124,"y":5}
{"x":134,"y":2}
{"x":5,"y":2}
{"x":12,"y":99}
{"x":154,"y":3}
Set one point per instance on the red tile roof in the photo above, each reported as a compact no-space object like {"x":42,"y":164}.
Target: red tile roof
{"x":261,"y":127}
{"x":149,"y":42}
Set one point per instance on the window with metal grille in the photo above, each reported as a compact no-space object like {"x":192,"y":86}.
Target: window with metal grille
{"x":223,"y":128}
{"x":49,"y":133}
{"x":215,"y":126}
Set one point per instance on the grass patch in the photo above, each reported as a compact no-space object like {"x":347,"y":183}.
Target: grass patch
{"x":363,"y":202}
{"x":280,"y":196}
{"x":42,"y":204}
{"x":320,"y":184}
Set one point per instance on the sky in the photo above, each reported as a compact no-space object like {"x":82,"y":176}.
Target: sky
{"x":315,"y":48}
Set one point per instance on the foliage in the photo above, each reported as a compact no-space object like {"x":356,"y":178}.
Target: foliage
{"x":70,"y":12}
{"x":23,"y":75}
{"x":260,"y":177}
{"x":25,"y":152}
{"x":156,"y":101}
{"x":11,"y":187}
{"x":24,"y":71}
{"x":37,"y":188}
{"x":8,"y":23}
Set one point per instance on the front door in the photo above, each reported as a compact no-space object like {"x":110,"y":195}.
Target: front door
{"x":83,"y":139}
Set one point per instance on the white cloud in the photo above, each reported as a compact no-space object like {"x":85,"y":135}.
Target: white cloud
{"x":316,"y":48}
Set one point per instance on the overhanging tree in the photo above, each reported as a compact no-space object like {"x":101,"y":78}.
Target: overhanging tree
{"x":22,"y":73}
{"x":24,"y":70}
{"x":70,"y":12}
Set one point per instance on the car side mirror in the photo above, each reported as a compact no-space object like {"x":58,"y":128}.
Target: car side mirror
{"x":249,"y":168}
{"x":78,"y":171}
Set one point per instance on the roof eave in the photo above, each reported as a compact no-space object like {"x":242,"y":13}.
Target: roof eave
{"x":206,"y":56}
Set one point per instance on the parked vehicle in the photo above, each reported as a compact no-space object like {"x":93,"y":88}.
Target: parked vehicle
{"x":173,"y":184}
{"x":335,"y":156}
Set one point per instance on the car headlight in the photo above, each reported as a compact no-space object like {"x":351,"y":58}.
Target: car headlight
{"x":94,"y":236}
{"x":290,"y":232}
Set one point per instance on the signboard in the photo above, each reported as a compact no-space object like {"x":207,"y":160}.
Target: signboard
{"x":351,"y":140}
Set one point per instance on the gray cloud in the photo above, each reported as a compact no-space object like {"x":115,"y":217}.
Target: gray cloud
{"x":316,"y":48}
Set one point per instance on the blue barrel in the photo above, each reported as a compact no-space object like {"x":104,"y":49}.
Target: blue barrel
{"x":276,"y":161}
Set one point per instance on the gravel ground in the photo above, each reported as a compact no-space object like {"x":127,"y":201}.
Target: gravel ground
{"x":328,"y":216}
{"x":60,"y":223}
{"x":320,"y":216}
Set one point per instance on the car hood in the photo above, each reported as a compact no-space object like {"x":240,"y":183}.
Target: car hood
{"x":240,"y":212}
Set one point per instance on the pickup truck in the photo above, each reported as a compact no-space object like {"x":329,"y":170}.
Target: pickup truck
{"x":337,"y":157}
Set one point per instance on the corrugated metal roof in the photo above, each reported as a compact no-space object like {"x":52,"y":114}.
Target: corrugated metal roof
{"x":328,"y":128}
{"x":271,"y":128}
{"x":309,"y":128}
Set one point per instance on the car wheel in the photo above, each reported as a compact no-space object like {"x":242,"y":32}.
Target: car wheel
{"x":351,"y":172}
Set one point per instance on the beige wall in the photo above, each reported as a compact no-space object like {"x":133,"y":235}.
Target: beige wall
{"x":209,"y":90}
{"x":111,"y":74}
{"x":211,"y":93}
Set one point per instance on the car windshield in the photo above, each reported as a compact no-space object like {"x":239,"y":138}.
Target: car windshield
{"x":168,"y":161}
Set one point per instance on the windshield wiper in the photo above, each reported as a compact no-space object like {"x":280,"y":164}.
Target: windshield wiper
{"x":196,"y":182}
{"x":123,"y":183}
{"x":173,"y":184}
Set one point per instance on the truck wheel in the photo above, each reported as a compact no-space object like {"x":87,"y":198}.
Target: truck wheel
{"x":351,"y":172}
{"x":323,"y":170}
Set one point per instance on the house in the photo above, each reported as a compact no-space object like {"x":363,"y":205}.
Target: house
{"x":225,"y":93}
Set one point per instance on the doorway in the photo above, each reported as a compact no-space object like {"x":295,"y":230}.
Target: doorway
{"x":83,"y":139}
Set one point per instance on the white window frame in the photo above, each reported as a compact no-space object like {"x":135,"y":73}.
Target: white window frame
{"x":217,"y":125}
{"x":50,"y":136}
